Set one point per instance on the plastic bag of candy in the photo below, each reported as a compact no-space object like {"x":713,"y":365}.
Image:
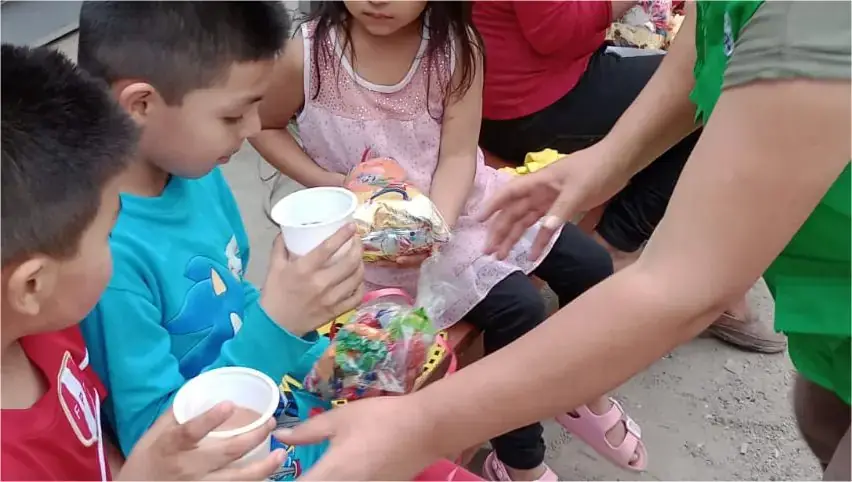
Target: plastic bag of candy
{"x":379,"y":350}
{"x":393,"y":217}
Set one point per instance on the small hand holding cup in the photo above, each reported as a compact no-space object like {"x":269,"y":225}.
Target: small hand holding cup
{"x":173,"y":451}
{"x":303,"y":293}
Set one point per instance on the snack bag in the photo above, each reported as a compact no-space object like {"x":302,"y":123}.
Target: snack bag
{"x":393,"y":217}
{"x":380,"y":350}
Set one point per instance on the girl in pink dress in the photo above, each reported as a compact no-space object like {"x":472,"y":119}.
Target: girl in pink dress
{"x":404,"y":79}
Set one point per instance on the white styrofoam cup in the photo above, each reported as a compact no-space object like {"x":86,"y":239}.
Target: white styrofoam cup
{"x":244,"y":387}
{"x":310,"y":216}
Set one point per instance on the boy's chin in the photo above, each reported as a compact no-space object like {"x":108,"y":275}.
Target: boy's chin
{"x":197,"y":172}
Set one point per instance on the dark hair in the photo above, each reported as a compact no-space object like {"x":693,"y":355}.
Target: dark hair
{"x":177,"y":46}
{"x":448,"y":22}
{"x":63,"y":139}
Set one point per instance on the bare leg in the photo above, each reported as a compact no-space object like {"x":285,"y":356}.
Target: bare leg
{"x":839,"y":467}
{"x":824,"y":420}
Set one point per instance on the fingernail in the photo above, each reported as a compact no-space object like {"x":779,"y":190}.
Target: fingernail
{"x":551,"y":222}
{"x":279,"y":455}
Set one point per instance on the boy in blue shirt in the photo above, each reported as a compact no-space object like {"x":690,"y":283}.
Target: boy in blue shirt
{"x":191,"y":74}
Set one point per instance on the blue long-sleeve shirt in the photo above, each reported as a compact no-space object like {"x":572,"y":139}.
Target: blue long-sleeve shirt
{"x":177,"y":305}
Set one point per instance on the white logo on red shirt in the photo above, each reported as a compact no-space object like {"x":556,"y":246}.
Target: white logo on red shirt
{"x":78,"y":402}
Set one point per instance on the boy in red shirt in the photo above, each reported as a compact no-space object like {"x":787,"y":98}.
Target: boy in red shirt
{"x":64,"y":144}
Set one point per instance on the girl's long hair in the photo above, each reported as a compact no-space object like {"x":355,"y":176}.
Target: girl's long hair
{"x":450,"y":23}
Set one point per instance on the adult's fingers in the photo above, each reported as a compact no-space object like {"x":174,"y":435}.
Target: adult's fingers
{"x":561,"y":211}
{"x":191,"y":432}
{"x":503,"y":223}
{"x":503,"y":198}
{"x":517,"y":230}
{"x":259,"y":470}
{"x":313,"y":431}
{"x":321,"y":255}
{"x":331,"y":467}
{"x":220,"y":453}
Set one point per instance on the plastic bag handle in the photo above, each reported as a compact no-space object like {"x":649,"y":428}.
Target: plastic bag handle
{"x":385,"y":293}
{"x":389,"y":189}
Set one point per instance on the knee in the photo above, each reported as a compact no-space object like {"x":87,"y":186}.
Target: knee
{"x":597,"y":266}
{"x":522,"y":311}
{"x":583,"y":270}
{"x":527,"y":311}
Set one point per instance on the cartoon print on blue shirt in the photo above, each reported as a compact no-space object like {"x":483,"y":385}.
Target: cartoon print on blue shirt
{"x":235,"y":261}
{"x":211,"y":314}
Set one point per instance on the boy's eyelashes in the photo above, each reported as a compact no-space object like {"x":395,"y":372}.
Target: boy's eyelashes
{"x":232,"y":120}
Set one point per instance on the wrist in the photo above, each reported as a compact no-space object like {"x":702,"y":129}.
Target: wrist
{"x":427,"y":419}
{"x":282,"y":320}
{"x":617,"y":159}
{"x":334,"y":179}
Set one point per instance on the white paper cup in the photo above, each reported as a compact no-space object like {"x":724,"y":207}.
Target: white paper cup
{"x":244,"y":387}
{"x":310,"y":216}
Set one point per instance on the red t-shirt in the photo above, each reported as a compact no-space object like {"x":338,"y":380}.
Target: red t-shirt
{"x":536,"y":52}
{"x":59,"y":437}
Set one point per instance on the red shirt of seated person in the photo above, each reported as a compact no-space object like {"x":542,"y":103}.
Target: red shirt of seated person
{"x":536,"y":51}
{"x":59,"y":437}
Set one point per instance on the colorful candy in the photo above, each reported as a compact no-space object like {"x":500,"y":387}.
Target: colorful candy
{"x":393,"y":217}
{"x":381,"y":349}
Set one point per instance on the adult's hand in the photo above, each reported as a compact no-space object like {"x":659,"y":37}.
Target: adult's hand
{"x":577,"y":182}
{"x":385,"y":438}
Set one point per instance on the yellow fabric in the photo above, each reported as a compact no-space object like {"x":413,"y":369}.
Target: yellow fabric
{"x":535,"y":161}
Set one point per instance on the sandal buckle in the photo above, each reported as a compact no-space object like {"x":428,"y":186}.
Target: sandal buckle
{"x":632,"y":426}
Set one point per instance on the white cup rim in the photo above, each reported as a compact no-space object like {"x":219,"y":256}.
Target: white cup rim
{"x":294,"y":197}
{"x":181,"y":400}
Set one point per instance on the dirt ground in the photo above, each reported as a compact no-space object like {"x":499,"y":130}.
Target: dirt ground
{"x":707,"y":411}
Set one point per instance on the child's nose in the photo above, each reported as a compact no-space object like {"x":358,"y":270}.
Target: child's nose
{"x":378,"y":4}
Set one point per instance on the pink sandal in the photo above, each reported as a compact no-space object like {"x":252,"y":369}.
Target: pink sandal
{"x":494,"y":469}
{"x":592,"y":429}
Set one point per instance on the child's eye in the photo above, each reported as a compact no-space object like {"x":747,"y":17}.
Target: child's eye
{"x":232,"y":120}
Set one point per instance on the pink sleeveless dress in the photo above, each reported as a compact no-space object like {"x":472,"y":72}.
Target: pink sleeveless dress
{"x":349,"y":114}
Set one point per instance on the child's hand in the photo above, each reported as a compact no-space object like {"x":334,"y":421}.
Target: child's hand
{"x":169,"y":451}
{"x":303,"y":293}
{"x":404,"y":261}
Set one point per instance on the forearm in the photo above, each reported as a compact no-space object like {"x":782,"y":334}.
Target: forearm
{"x":451,"y":187}
{"x":757,"y":174}
{"x":280,"y":149}
{"x":662,"y":114}
{"x":621,"y":327}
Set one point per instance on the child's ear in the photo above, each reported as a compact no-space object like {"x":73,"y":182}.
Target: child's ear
{"x":139,"y":99}
{"x":31,"y":285}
